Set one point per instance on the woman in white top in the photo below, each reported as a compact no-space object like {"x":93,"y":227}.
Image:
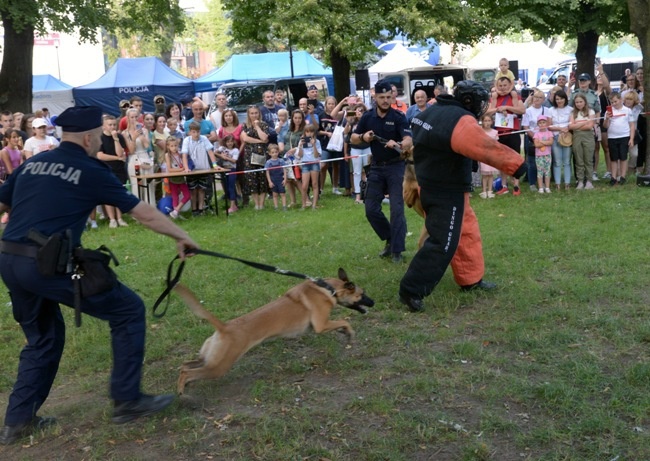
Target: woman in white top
{"x":631,"y":100}
{"x":137,"y":143}
{"x":40,"y":142}
{"x":560,"y":115}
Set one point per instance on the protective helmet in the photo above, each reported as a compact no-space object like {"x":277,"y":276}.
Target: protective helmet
{"x":473,"y":96}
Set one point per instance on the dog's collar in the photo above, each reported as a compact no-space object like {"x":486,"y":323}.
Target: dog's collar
{"x":323,"y":284}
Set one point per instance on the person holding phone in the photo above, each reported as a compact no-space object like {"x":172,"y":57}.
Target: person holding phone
{"x":137,"y":144}
{"x":311,"y":118}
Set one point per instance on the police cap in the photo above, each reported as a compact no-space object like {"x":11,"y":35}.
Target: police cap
{"x":78,"y":119}
{"x":383,"y":86}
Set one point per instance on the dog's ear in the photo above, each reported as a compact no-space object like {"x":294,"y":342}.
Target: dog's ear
{"x":342,"y":275}
{"x":349,"y":286}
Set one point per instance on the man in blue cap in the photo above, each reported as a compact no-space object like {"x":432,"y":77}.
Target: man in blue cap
{"x":388,"y":133}
{"x":53,"y":193}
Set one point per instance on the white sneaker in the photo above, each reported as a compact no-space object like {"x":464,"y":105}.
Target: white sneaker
{"x":335,"y":191}
{"x":122,"y":223}
{"x":174,"y":214}
{"x":580,"y":185}
{"x":491,"y":194}
{"x":483,"y":195}
{"x":547,"y":190}
{"x":93,"y":224}
{"x":594,"y":177}
{"x":533,"y":188}
{"x":112,"y":224}
{"x":541,"y":190}
{"x":607,"y":175}
{"x":589,"y":185}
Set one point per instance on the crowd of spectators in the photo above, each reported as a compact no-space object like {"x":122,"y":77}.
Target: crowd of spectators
{"x":138,"y":142}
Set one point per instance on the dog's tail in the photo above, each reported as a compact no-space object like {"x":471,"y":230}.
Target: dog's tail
{"x":195,"y":306}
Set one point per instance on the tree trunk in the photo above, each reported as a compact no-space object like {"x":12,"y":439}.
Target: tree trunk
{"x":16,"y":71}
{"x":341,"y":73}
{"x":639,"y":11}
{"x":586,"y":54}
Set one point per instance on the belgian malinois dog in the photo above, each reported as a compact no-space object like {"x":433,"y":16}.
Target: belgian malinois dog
{"x":304,"y":305}
{"x":411,"y":193}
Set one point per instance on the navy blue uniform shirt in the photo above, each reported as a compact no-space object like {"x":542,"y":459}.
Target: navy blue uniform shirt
{"x":56,"y":190}
{"x":393,"y":126}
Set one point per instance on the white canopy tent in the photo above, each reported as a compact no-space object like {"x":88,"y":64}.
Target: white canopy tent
{"x":399,"y":58}
{"x":532,"y":57}
{"x":52,"y":93}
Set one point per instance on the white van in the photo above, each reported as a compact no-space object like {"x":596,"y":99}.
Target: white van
{"x":614,"y":69}
{"x":424,"y":78}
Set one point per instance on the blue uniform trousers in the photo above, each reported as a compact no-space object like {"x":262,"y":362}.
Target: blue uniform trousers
{"x":387,"y":179}
{"x":35,"y":303}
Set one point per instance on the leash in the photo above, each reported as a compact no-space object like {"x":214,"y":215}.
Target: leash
{"x":173,"y":280}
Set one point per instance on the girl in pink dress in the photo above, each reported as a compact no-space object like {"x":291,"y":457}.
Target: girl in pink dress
{"x":488,"y":172}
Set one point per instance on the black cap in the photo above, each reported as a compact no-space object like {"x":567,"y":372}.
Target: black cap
{"x":383,"y":86}
{"x":584,"y":76}
{"x":80,"y":118}
{"x":312,"y":87}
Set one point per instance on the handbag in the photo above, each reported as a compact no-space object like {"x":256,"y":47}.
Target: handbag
{"x":258,"y":154}
{"x":565,"y":139}
{"x":336,"y":142}
{"x":257,"y":159}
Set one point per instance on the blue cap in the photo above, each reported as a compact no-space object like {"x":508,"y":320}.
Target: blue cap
{"x":312,"y":87}
{"x":78,"y":119}
{"x":383,"y":86}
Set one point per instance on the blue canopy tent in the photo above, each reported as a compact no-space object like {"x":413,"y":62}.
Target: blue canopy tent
{"x":243,"y":67}
{"x":144,"y":77}
{"x":50,"y":92}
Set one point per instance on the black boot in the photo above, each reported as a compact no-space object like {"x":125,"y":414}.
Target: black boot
{"x":144,"y":406}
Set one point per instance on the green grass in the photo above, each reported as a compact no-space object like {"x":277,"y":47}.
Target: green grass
{"x":552,"y":366}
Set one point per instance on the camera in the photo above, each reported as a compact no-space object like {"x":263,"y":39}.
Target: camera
{"x":312,"y":102}
{"x":525,"y":92}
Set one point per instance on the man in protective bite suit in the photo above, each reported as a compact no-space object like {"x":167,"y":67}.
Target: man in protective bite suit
{"x":447,"y":138}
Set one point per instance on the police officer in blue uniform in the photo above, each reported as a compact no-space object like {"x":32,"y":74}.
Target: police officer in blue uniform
{"x":53,"y":193}
{"x":388,"y":133}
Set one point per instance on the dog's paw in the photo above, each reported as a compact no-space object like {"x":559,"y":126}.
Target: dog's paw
{"x":349,"y":334}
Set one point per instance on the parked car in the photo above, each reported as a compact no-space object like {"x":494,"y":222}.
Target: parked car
{"x":424,"y":78}
{"x":240,"y":95}
{"x":614,"y":69}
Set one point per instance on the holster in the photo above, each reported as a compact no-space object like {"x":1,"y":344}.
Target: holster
{"x":54,"y":253}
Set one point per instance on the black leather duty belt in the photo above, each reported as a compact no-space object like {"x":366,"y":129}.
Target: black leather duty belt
{"x":389,"y":162}
{"x":18,"y":249}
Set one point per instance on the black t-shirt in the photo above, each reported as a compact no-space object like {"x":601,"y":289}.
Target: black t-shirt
{"x":108,"y":148}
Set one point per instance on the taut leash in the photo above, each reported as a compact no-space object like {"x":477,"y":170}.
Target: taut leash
{"x":173,"y":280}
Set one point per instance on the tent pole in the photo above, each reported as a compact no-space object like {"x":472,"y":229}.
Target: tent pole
{"x":291,"y":56}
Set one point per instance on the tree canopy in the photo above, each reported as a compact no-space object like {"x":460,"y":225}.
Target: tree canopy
{"x":21,"y":19}
{"x":342,"y":31}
